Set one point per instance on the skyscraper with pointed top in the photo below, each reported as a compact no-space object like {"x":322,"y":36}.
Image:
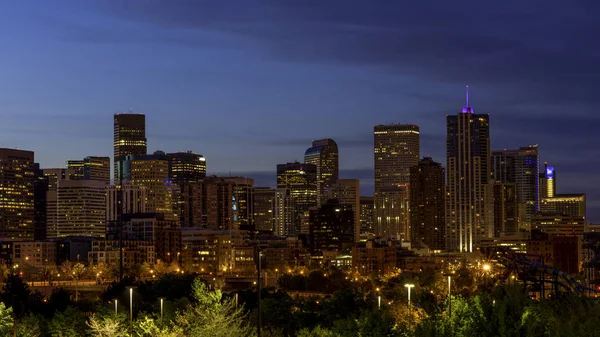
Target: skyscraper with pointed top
{"x":468,"y":172}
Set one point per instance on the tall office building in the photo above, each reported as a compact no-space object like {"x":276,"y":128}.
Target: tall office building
{"x":468,"y":172}
{"x":91,"y":168}
{"x":427,"y":205}
{"x":40,"y":188}
{"x":284,"y":213}
{"x":17,"y":179}
{"x":152,"y":172}
{"x":76,"y":208}
{"x":391,"y":212}
{"x":564,"y":204}
{"x":243,"y":202}
{"x":331,"y":227}
{"x":264,"y":198}
{"x":502,"y":210}
{"x":129,"y":139}
{"x":547,"y":182}
{"x":124,"y":198}
{"x":347,"y":192}
{"x":522,"y":168}
{"x":367,"y":215}
{"x":396,"y":151}
{"x":185,"y":167}
{"x":301,"y":181}
{"x":324,"y":155}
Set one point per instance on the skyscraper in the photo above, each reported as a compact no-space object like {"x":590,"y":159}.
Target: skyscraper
{"x":17,"y":180}
{"x":396,"y":151}
{"x":547,"y":182}
{"x":91,"y":168}
{"x":367,"y":210}
{"x":209,"y":203}
{"x":324,"y":155}
{"x":264,"y":198}
{"x":242,"y":202}
{"x":124,"y":198}
{"x":284,"y":213}
{"x":564,"y":204}
{"x":427,"y":205}
{"x":152,"y":172}
{"x":301,"y":181}
{"x":347,"y":192}
{"x":331,"y":227}
{"x":468,"y":172}
{"x":76,"y":208}
{"x":129,"y":139}
{"x":186,"y":167}
{"x":520,"y":167}
{"x":501,"y":210}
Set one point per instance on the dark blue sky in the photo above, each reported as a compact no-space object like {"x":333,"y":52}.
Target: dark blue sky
{"x":250,"y":83}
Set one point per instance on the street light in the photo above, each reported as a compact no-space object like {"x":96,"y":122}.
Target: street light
{"x":161,"y":310}
{"x":408,"y":285}
{"x":131,"y":308}
{"x":486,"y":267}
{"x":449,"y":294}
{"x":116,"y":309}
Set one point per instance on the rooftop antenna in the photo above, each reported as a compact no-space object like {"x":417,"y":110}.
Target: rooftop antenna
{"x":467,"y":96}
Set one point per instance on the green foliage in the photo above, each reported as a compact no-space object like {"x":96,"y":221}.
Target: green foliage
{"x":6,"y":320}
{"x":69,"y":323}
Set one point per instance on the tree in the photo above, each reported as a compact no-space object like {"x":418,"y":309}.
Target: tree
{"x":31,"y":326}
{"x":107,"y":326}
{"x":69,"y":323}
{"x":146,"y":327}
{"x":212,"y":316}
{"x":6,"y":320}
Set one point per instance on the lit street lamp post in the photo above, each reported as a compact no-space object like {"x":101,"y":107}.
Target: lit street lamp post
{"x":116,"y":309}
{"x":161,"y":311}
{"x":408,"y":285}
{"x":449,"y":294}
{"x":131,"y":308}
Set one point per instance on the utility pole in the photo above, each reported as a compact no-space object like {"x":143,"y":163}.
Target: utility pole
{"x":259,"y":287}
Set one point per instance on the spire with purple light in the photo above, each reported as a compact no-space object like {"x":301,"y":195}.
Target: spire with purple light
{"x":467,"y":108}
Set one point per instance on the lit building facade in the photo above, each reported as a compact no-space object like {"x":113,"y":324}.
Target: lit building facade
{"x":331,"y":227}
{"x":209,"y":203}
{"x":76,"y":208}
{"x":502,"y":210}
{"x":522,"y":168}
{"x":347,"y":192}
{"x":17,"y":178}
{"x":427,"y":205}
{"x":242,"y":202}
{"x":284,"y":213}
{"x":129,"y":139}
{"x":396,"y":148}
{"x":324,"y":155}
{"x":90,"y":168}
{"x":264,"y":199}
{"x":301,"y":182}
{"x":391,"y":212}
{"x":152,"y":172}
{"x":185,"y":167}
{"x":565,"y":204}
{"x":547,"y":182}
{"x":367,"y":214}
{"x":125,"y":198}
{"x":468,"y":172}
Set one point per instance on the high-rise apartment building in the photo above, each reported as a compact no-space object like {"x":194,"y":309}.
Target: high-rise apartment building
{"x":185,"y":167}
{"x":502,"y":210}
{"x":242,"y":202}
{"x":324,"y":155}
{"x":264,"y":198}
{"x":301,"y":181}
{"x":427,"y":205}
{"x":347,"y":192}
{"x":367,"y":214}
{"x":396,"y":151}
{"x":564,"y":204}
{"x":129,"y":139}
{"x":209,"y":203}
{"x":17,"y":178}
{"x":152,"y":172}
{"x":76,"y":208}
{"x":522,"y":168}
{"x":91,"y":168}
{"x":124,"y":198}
{"x":468,"y":172}
{"x":40,"y":188}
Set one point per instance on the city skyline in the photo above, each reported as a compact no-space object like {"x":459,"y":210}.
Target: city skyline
{"x":218,"y":80}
